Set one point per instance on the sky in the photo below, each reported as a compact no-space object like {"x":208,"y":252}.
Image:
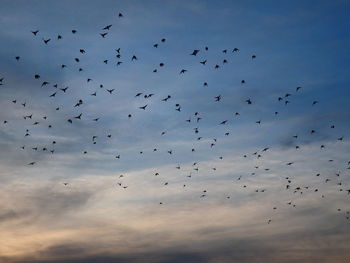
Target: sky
{"x":270,"y":184}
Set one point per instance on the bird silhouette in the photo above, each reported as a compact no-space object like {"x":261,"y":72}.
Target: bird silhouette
{"x":195,"y":52}
{"x":35,"y":32}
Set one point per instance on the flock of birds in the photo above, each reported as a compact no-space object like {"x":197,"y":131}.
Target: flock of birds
{"x":195,"y":118}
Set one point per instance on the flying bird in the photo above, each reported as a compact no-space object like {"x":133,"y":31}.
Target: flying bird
{"x":195,"y":52}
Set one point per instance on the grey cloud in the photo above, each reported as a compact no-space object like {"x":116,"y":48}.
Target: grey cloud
{"x":43,"y":204}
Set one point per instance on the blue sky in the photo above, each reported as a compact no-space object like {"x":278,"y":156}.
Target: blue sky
{"x":94,"y":219}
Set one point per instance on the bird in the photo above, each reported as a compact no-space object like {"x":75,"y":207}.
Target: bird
{"x":195,"y":52}
{"x":35,"y":32}
{"x":166,"y":98}
{"x":110,"y":91}
{"x":44,"y":83}
{"x":46,"y":40}
{"x":107,"y":27}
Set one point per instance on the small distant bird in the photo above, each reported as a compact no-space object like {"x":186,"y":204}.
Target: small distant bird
{"x":46,"y":40}
{"x":195,"y":52}
{"x":35,"y":32}
{"x":107,"y":27}
{"x":110,"y":91}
